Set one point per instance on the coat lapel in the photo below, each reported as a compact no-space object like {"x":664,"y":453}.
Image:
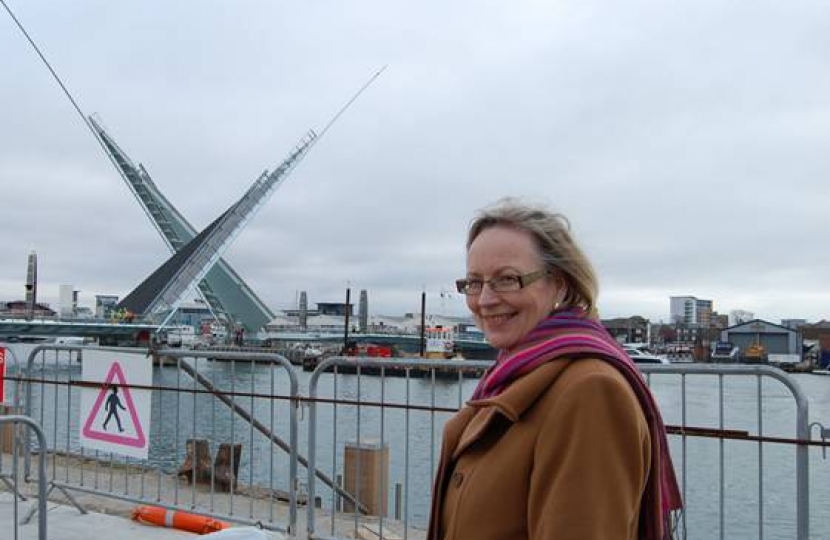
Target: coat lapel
{"x":477,"y":417}
{"x":475,"y":428}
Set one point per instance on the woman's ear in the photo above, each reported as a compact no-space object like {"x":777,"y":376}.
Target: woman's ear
{"x":561,"y":291}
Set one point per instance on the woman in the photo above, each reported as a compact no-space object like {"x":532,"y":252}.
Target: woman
{"x":562,"y":438}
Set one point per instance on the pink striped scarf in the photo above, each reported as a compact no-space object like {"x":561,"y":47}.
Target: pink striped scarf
{"x":571,"y":334}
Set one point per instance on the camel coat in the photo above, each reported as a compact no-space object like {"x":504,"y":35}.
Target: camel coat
{"x":563,"y":453}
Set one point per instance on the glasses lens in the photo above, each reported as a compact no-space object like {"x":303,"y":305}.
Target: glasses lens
{"x":469,"y":286}
{"x":505,"y":283}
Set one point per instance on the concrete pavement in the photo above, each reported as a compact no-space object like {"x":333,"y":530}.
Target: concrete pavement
{"x":66,"y":523}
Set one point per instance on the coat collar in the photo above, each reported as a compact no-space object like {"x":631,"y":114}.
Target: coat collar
{"x":511,"y":404}
{"x":524,"y":391}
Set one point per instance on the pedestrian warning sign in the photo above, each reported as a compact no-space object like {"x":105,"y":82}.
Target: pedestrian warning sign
{"x":115,"y":415}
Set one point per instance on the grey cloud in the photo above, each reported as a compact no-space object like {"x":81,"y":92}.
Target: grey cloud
{"x":684,"y":141}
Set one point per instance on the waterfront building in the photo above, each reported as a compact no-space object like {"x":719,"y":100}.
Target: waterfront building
{"x":83,"y":312}
{"x":817,"y":331}
{"x":335,"y":308}
{"x":67,"y":301}
{"x":392,"y":324}
{"x":719,"y":320}
{"x":410,"y":323}
{"x":363,"y":311}
{"x":338,"y":309}
{"x":678,"y":337}
{"x":795,"y":324}
{"x":22,"y":309}
{"x":685,"y":334}
{"x":818,"y":335}
{"x":105,"y":305}
{"x":289,"y":321}
{"x":314,"y":323}
{"x":703,"y":308}
{"x":763,"y":338}
{"x":739,"y":316}
{"x":690,"y":310}
{"x":284,"y":322}
{"x":31,"y":282}
{"x":303,"y":310}
{"x":193,"y":313}
{"x":628,"y":329}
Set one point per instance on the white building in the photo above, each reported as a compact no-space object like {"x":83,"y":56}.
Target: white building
{"x":67,"y":301}
{"x":740,"y":316}
{"x":793,"y":324}
{"x":104,"y":305}
{"x":382,"y":324}
{"x":690,"y":310}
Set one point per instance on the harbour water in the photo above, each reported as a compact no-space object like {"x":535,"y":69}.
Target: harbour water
{"x":410,"y":424}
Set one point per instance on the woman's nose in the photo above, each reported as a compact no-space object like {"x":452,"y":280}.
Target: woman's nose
{"x":487,"y":297}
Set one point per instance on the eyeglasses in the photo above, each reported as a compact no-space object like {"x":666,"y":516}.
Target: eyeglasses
{"x":499,"y":284}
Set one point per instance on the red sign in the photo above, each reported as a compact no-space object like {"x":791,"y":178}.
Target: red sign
{"x":2,"y":373}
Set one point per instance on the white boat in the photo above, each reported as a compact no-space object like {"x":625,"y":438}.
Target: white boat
{"x":70,"y":340}
{"x":641,"y":357}
{"x":180,"y":336}
{"x":214,"y":333}
{"x":724,"y":351}
{"x":440,"y":342}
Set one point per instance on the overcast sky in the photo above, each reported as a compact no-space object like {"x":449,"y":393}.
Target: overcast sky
{"x":687,"y":143}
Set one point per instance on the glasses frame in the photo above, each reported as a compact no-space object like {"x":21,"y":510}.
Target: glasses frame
{"x":523,"y":280}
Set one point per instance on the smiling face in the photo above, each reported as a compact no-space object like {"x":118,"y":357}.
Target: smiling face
{"x":507,"y":317}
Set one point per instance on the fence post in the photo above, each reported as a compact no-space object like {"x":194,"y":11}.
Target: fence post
{"x":398,"y":500}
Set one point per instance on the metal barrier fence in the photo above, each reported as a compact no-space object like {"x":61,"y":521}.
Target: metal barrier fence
{"x":243,"y":407}
{"x":383,"y":424}
{"x":736,"y":439}
{"x":11,"y":475}
{"x":739,"y":436}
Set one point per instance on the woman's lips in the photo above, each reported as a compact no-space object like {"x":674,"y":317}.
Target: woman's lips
{"x":499,"y":319}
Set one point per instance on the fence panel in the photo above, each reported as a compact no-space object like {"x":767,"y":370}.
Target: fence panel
{"x":222,"y":434}
{"x":739,"y":440}
{"x":738,"y":436}
{"x":375,"y":424}
{"x":11,"y":473}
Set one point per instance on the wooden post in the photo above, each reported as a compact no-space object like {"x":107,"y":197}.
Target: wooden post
{"x":398,"y":500}
{"x":366,"y":468}
{"x":226,"y":466}
{"x":196,"y":464}
{"x":8,"y":430}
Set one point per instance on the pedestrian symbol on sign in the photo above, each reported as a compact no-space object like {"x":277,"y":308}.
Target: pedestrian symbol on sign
{"x":112,"y":406}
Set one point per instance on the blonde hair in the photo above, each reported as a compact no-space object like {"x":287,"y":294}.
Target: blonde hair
{"x":552,"y":235}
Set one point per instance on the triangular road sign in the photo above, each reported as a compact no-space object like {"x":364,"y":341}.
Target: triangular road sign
{"x":138,"y":440}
